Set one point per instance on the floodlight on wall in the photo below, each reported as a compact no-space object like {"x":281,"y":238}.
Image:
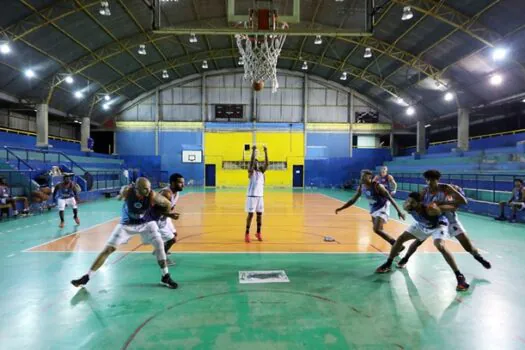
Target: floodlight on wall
{"x":449,"y":96}
{"x":368,"y":53}
{"x":165,"y":74}
{"x":29,"y":73}
{"x":204,"y":64}
{"x":318,"y":40}
{"x":496,"y":80}
{"x":193,"y":38}
{"x":305,"y":66}
{"x":104,"y":9}
{"x":142,"y":50}
{"x":5,"y":48}
{"x":410,"y":111}
{"x":344,"y":76}
{"x":407,"y":13}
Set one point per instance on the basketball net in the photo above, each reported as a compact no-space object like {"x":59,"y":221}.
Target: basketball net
{"x":260,"y":52}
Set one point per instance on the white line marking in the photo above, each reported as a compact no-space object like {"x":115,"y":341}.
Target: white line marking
{"x":71,"y":234}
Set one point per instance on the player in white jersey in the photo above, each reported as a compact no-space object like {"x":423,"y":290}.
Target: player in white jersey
{"x":166,"y":228}
{"x":254,"y":199}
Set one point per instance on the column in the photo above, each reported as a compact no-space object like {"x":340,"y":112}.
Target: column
{"x":84,"y":134}
{"x":305,"y":113}
{"x":351,"y":119}
{"x":42,"y":125}
{"x":393,"y":150}
{"x":115,"y":143}
{"x":463,"y":128}
{"x":421,"y":138}
{"x":156,"y":115}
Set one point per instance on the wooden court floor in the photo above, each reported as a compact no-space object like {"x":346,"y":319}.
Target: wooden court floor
{"x":333,"y":299}
{"x":292,"y":223}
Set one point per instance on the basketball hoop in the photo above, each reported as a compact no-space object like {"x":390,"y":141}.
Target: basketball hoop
{"x":260,"y":52}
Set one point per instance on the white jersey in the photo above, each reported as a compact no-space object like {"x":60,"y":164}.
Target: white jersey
{"x":256,"y":186}
{"x":174,"y":198}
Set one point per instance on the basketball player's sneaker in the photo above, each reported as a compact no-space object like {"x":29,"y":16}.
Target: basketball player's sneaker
{"x":168,"y":282}
{"x":247,"y":238}
{"x":402,"y":263}
{"x":82,"y":281}
{"x":61,"y":225}
{"x":462,"y":284}
{"x":170,"y":262}
{"x":77,"y":220}
{"x":258,"y":235}
{"x":386,"y":267}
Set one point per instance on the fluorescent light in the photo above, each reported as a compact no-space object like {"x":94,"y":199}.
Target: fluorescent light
{"x":499,"y":53}
{"x":29,"y":73}
{"x":407,"y":13}
{"x":449,"y":96}
{"x":523,"y":100}
{"x":427,"y":126}
{"x":410,"y":111}
{"x":5,"y":49}
{"x":368,"y":53}
{"x":79,"y":94}
{"x":69,"y":79}
{"x":496,"y":79}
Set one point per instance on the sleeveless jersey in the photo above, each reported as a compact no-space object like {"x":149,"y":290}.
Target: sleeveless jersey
{"x":426,"y":220}
{"x":439,"y":197}
{"x":376,"y":200}
{"x":174,"y":200}
{"x":134,"y":209}
{"x":256,"y":185}
{"x":64,"y":192}
{"x":517,"y":195}
{"x":383,"y":180}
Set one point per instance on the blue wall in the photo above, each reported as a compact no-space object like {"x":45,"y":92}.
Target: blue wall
{"x":328,"y":161}
{"x":132,"y":142}
{"x":28,"y":141}
{"x":171,"y":144}
{"x":481,"y":144}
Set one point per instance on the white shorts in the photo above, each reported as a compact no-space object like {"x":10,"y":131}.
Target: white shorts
{"x":122,"y":233}
{"x":61,"y":203}
{"x":421,"y":233}
{"x":254,"y":204}
{"x":520,"y":205}
{"x":455,"y":229}
{"x":3,"y":200}
{"x":383,"y":212}
{"x":166,"y":229}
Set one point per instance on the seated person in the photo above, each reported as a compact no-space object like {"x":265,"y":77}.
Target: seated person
{"x":515,"y":203}
{"x":6,"y":198}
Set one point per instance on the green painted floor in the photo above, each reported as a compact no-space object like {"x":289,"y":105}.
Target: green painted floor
{"x":333,"y":301}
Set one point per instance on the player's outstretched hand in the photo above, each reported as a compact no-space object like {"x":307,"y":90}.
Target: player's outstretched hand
{"x":265,"y":148}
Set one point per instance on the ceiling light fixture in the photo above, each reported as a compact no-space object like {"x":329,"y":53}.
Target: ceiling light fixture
{"x":496,"y":79}
{"x":318,"y":40}
{"x":407,"y":13}
{"x":142,"y":50}
{"x":410,"y":111}
{"x":368,"y":53}
{"x":104,"y":9}
{"x":305,"y":66}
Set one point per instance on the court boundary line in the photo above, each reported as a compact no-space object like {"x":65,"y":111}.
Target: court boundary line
{"x":216,"y":252}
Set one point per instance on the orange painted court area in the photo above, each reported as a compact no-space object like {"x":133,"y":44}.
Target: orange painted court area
{"x":292,"y":222}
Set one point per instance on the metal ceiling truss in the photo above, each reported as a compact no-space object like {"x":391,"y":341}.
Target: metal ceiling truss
{"x":312,"y":21}
{"x":371,"y":78}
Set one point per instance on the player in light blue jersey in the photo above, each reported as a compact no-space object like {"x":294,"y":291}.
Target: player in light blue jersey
{"x":139,"y":200}
{"x":379,"y":199}
{"x":445,"y":194}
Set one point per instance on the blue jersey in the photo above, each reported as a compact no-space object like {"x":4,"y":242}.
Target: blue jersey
{"x":438,"y":197}
{"x":134,"y":209}
{"x":517,"y":195}
{"x":383,"y":180}
{"x":377,"y":201}
{"x":65,"y":191}
{"x":426,"y":220}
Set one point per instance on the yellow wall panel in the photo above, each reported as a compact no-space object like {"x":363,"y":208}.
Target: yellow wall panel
{"x":229,"y":146}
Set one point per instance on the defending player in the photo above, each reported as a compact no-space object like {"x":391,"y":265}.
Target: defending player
{"x":66,"y":193}
{"x":379,"y":198}
{"x":138,"y":201}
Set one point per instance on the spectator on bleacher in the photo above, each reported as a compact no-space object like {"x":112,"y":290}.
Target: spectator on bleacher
{"x":90,"y":143}
{"x":6,"y":198}
{"x":516,"y":201}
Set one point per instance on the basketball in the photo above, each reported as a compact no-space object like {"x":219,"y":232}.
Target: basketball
{"x":258,"y":85}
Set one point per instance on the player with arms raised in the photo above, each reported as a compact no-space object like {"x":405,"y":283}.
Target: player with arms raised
{"x":254,"y":199}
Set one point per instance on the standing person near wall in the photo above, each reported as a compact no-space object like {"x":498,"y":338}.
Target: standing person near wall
{"x":379,"y":198}
{"x":515,"y":203}
{"x":67,"y":193}
{"x":254,"y":199}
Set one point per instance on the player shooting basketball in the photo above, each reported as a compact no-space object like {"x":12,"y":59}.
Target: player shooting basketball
{"x":254,"y":200}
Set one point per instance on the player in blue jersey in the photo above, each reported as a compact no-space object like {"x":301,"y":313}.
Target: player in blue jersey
{"x":516,"y":201}
{"x":387,"y":180}
{"x":66,"y":194}
{"x":445,"y":194}
{"x":139,"y":200}
{"x":430,"y":221}
{"x":379,"y":199}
